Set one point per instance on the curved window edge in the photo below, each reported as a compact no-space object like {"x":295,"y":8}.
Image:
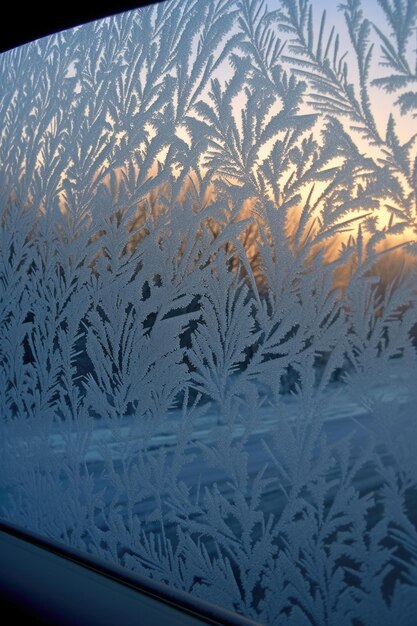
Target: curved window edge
{"x":58,"y":584}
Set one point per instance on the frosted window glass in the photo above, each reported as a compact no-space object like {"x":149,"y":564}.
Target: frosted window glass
{"x":208,"y":301}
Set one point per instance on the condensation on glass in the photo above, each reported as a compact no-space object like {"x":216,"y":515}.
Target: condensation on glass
{"x":208,"y":301}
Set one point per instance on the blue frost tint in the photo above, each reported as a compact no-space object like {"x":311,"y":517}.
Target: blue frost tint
{"x":207,"y":311}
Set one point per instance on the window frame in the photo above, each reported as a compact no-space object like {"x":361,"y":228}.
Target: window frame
{"x":57,"y":584}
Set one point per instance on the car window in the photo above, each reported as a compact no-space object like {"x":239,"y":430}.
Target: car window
{"x":208,"y":301}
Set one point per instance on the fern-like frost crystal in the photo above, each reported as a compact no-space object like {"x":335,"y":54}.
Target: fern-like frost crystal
{"x":208,"y":320}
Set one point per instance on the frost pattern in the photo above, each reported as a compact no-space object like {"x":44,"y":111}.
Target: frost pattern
{"x":208,"y":302}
